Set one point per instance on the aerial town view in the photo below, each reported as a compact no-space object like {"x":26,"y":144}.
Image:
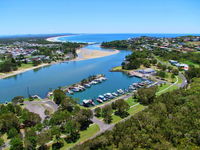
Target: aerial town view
{"x":100,"y":75}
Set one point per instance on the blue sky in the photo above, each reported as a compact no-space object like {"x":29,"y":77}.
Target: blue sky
{"x":99,"y":16}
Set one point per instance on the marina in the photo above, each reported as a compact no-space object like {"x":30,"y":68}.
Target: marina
{"x":110,"y":96}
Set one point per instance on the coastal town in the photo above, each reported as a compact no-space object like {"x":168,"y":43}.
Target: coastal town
{"x":16,"y":54}
{"x":151,"y":61}
{"x":99,"y":75}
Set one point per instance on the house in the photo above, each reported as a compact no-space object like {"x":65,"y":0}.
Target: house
{"x":147,"y":71}
{"x":184,"y":67}
{"x":173,"y":62}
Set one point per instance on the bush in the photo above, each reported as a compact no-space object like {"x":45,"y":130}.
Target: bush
{"x":57,"y":145}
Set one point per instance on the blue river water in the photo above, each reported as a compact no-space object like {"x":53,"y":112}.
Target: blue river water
{"x":41,"y":81}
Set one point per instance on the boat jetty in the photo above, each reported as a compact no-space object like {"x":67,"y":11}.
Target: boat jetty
{"x":84,"y":84}
{"x":109,"y":96}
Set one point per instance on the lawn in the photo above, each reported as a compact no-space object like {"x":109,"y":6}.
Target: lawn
{"x":131,"y":101}
{"x":116,"y":118}
{"x":162,"y":87}
{"x":180,"y":80}
{"x":136,"y":109}
{"x":190,"y":63}
{"x":84,"y":135}
{"x":174,"y":87}
{"x":25,"y":66}
{"x":118,"y":68}
{"x":131,"y":111}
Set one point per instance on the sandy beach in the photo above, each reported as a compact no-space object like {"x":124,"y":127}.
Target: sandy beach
{"x":56,"y":39}
{"x":83,"y":54}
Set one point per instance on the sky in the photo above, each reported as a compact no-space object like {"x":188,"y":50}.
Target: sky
{"x":99,"y":16}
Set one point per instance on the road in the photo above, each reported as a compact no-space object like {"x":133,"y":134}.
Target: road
{"x":184,"y":83}
{"x":184,"y":80}
{"x":105,"y":127}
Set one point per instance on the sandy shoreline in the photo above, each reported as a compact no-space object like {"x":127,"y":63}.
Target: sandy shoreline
{"x":56,"y":38}
{"x":83,"y":54}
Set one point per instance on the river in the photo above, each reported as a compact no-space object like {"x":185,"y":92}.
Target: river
{"x":41,"y":81}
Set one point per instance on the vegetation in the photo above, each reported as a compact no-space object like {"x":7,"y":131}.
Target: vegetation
{"x":69,"y":120}
{"x":138,"y":58}
{"x":9,"y":64}
{"x":170,"y":122}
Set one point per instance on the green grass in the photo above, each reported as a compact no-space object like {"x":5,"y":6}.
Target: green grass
{"x":131,"y":112}
{"x":164,"y":86}
{"x":174,"y":87}
{"x":116,"y":119}
{"x":190,"y":63}
{"x":131,"y":101}
{"x":25,"y":66}
{"x":179,"y":80}
{"x":136,"y":109}
{"x":84,"y":135}
{"x":119,"y":68}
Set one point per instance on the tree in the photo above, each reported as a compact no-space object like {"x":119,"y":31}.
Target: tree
{"x":147,"y":95}
{"x":154,"y":61}
{"x":108,"y":119}
{"x":29,"y":118}
{"x":106,"y":113}
{"x":6,"y":124}
{"x":30,"y":140}
{"x":59,"y":96}
{"x":36,"y":62}
{"x":175,"y":71}
{"x":18,"y":99}
{"x":97,"y":112}
{"x":60,"y":117}
{"x":68,"y":103}
{"x":172,"y":76}
{"x":1,"y":142}
{"x":163,"y":67}
{"x":12,"y":133}
{"x":72,"y":129}
{"x":16,"y":144}
{"x":161,"y":74}
{"x":121,"y":108}
{"x":83,"y":117}
{"x":44,"y":137}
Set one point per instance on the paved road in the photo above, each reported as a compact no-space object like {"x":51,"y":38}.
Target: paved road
{"x":184,"y":80}
{"x":103,"y":126}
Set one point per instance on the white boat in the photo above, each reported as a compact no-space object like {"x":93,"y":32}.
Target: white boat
{"x":70,"y":92}
{"x":99,"y":100}
{"x":76,"y":89}
{"x":87,"y":85}
{"x":114,"y":94}
{"x":120,"y":91}
{"x":101,"y":97}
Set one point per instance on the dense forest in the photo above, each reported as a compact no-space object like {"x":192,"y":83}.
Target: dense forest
{"x":170,"y":122}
